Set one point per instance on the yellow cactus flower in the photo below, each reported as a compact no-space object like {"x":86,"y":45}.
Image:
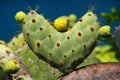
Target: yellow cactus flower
{"x":12,"y":66}
{"x":105,"y":31}
{"x":20,"y":16}
{"x":60,"y":24}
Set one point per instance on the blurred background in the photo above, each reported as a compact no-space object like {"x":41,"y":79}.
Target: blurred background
{"x":51,"y":10}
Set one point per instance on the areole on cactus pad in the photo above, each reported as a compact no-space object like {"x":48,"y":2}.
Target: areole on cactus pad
{"x":62,"y":50}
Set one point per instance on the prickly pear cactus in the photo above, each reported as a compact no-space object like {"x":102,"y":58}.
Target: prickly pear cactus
{"x":62,"y":50}
{"x":12,"y":65}
{"x":38,"y":68}
{"x":17,"y":42}
{"x":5,"y":60}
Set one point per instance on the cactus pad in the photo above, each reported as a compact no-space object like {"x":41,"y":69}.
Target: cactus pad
{"x":64,"y":51}
{"x":39,"y":69}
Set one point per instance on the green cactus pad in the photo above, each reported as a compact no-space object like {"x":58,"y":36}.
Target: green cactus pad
{"x":39,"y":69}
{"x":64,"y":51}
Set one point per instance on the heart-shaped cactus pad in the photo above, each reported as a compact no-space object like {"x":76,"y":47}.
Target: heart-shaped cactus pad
{"x":62,"y":50}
